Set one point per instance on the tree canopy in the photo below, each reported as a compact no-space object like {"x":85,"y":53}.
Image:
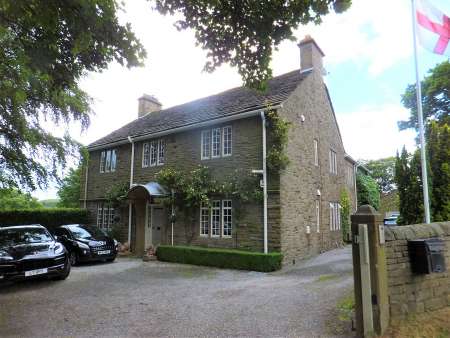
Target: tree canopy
{"x":14,"y":199}
{"x":435,"y":97}
{"x":69,"y":189}
{"x":382,"y":171}
{"x":45,"y":48}
{"x":244,"y":33}
{"x":367,"y":190}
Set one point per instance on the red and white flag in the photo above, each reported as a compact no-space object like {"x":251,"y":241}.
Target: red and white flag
{"x":433,"y":28}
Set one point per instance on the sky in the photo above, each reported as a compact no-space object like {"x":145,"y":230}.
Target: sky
{"x":368,"y":59}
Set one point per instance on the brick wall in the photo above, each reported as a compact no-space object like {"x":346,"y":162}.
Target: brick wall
{"x":411,"y":293}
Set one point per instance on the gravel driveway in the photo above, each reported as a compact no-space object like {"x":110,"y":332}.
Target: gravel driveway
{"x":133,"y":298}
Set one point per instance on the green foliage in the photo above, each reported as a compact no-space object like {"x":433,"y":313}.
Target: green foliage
{"x":69,"y":189}
{"x":50,"y":218}
{"x":50,"y":203}
{"x":382,"y":171}
{"x":367,"y":190}
{"x":389,"y":202}
{"x":221,"y":258}
{"x":116,"y":193}
{"x":45,"y":49}
{"x":278,"y":130}
{"x":345,"y":215}
{"x":435,"y":98}
{"x":115,"y":231}
{"x":244,"y":33}
{"x":15,"y":199}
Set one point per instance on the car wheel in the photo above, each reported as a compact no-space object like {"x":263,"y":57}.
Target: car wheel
{"x":73,"y":258}
{"x":65,"y":273}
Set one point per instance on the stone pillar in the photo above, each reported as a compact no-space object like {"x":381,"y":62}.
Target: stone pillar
{"x":378,"y":271}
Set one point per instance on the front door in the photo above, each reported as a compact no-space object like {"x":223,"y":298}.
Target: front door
{"x":153,"y":225}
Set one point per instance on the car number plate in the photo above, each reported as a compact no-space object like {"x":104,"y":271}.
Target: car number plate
{"x":35,"y":272}
{"x":104,"y":252}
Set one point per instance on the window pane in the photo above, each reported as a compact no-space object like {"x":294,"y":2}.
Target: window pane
{"x":316,"y":154}
{"x":206,"y":143}
{"x":204,"y":220}
{"x":99,"y":215}
{"x":105,"y":218}
{"x":216,"y":142}
{"x":161,"y":151}
{"x":111,"y":217}
{"x":113,"y":160}
{"x":227,"y":141}
{"x":215,"y":219}
{"x":102,"y":161}
{"x":153,"y":153}
{"x":227,"y":218}
{"x":108,"y":161}
{"x":146,"y":155}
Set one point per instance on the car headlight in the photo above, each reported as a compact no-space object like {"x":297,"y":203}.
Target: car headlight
{"x":5,"y":256}
{"x":83,"y":245}
{"x":59,"y":249}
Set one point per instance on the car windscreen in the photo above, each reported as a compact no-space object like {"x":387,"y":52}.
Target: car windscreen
{"x":11,"y":237}
{"x":85,"y":232}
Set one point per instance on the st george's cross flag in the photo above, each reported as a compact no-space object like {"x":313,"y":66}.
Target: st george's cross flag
{"x":433,"y":28}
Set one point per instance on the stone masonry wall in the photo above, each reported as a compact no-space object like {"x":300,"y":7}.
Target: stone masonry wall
{"x":412,"y":293}
{"x":301,"y":180}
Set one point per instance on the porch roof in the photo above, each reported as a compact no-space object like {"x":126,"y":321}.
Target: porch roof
{"x":152,"y":189}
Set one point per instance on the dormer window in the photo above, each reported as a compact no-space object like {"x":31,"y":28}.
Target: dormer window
{"x":216,"y":142}
{"x":108,"y":161}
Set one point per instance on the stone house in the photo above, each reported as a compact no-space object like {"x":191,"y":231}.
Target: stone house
{"x":299,"y":214}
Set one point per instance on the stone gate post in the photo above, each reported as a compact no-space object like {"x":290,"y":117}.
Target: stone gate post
{"x":378,"y":271}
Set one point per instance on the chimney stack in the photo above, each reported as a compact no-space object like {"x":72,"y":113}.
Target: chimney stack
{"x":310,"y":55}
{"x":148,"y":104}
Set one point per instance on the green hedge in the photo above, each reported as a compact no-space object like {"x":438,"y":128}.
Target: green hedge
{"x":221,"y":258}
{"x":50,"y":218}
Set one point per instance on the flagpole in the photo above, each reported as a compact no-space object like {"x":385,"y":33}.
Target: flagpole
{"x":423,"y":162}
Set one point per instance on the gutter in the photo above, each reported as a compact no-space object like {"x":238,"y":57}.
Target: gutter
{"x":130,"y":206}
{"x":237,"y":116}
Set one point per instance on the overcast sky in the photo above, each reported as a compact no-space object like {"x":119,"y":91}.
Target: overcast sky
{"x":368,"y":59}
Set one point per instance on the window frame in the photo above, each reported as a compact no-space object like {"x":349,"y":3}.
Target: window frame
{"x":213,"y":209}
{"x":316,"y":152}
{"x":204,"y":207}
{"x":153,"y":153}
{"x":216,"y":140}
{"x":161,"y":154}
{"x":145,"y":155}
{"x":208,"y":148}
{"x":230,"y":134}
{"x":333,"y":162}
{"x":230,"y":209}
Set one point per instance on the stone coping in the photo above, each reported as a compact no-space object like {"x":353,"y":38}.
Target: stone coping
{"x":416,"y":231}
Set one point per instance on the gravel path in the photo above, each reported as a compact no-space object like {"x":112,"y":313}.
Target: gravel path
{"x":133,"y":298}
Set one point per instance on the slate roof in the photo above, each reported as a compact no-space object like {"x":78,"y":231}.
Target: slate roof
{"x":227,"y":103}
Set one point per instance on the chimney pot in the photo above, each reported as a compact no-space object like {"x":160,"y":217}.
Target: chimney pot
{"x":148,"y":104}
{"x":310,"y":55}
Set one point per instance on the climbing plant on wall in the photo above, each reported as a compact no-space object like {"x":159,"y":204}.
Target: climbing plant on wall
{"x":278,"y":137}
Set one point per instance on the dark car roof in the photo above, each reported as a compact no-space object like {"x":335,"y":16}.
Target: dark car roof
{"x":31,"y":226}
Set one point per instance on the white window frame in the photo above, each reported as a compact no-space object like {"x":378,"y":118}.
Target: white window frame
{"x":153,"y":153}
{"x":317,"y":215}
{"x":206,"y":133}
{"x":113,"y":160}
{"x":316,"y":152}
{"x":161,"y":151}
{"x":99,"y":215}
{"x":230,"y":140}
{"x":102,"y":161}
{"x":108,"y":161}
{"x":145,"y":155}
{"x":105,"y":216}
{"x":333,"y":162}
{"x":335,"y":216}
{"x":331,"y":216}
{"x":213,"y":210}
{"x":224,"y":210}
{"x":204,"y":208}
{"x":216,"y":138}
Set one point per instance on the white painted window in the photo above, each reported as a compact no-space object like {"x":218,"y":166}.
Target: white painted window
{"x":350,"y":176}
{"x":316,"y":152}
{"x":333,"y":162}
{"x":206,"y":144}
{"x":153,"y":153}
{"x":99,"y":215}
{"x":226,"y":141}
{"x":108,"y":161}
{"x":204,"y":220}
{"x":227,"y":226}
{"x":105,"y":216}
{"x":215,"y":219}
{"x":335,"y":216}
{"x":145,"y":155}
{"x":215,"y":143}
{"x":318,"y":215}
{"x":161,"y":151}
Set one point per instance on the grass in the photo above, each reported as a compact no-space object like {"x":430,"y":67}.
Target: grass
{"x":341,"y":322}
{"x":346,"y":307}
{"x":325,"y":278}
{"x":434,"y":324}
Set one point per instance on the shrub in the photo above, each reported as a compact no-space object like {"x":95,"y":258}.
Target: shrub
{"x":50,"y":218}
{"x":221,"y":258}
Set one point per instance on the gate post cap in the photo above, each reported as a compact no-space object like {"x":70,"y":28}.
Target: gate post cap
{"x":366,"y":209}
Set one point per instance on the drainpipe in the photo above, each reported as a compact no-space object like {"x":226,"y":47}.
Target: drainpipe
{"x":130,"y":206}
{"x":172,"y":216}
{"x":263,"y":120}
{"x":86,"y":183}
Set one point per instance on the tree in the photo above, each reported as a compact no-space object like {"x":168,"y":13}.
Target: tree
{"x":382,"y":171}
{"x":345,"y":215}
{"x":46,"y":47}
{"x":69,"y":189}
{"x":244,"y":33}
{"x":367,"y":190}
{"x":14,"y":199}
{"x":435,"y":97}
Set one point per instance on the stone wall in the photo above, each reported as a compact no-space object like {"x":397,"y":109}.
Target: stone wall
{"x":412,"y":293}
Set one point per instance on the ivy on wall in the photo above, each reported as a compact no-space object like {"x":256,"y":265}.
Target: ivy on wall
{"x":278,"y":135}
